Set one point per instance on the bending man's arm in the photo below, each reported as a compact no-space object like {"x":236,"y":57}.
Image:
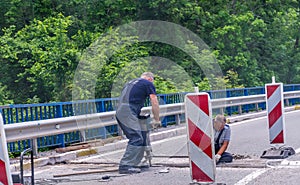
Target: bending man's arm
{"x":155,"y":107}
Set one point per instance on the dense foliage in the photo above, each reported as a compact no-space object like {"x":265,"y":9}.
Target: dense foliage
{"x":43,"y":41}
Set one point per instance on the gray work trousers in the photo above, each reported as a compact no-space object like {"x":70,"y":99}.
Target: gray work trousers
{"x":127,"y":117}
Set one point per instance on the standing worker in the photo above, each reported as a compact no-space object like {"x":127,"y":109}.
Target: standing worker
{"x":132,"y":99}
{"x":222,"y":137}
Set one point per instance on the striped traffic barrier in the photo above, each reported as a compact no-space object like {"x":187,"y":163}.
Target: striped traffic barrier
{"x":275,"y":108}
{"x":5,"y":176}
{"x":200,"y":137}
{"x":276,"y":122}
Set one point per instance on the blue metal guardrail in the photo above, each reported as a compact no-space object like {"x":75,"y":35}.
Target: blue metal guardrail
{"x":32,"y":112}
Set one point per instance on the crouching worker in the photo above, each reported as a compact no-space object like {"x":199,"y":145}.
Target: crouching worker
{"x":222,"y":134}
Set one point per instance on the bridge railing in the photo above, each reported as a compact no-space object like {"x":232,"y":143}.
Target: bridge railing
{"x":19,"y":118}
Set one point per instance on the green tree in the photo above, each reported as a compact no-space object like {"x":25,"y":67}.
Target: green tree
{"x":4,"y":96}
{"x":10,"y":68}
{"x":44,"y":58}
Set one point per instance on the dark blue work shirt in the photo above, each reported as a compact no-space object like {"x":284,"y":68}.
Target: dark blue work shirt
{"x":136,"y":91}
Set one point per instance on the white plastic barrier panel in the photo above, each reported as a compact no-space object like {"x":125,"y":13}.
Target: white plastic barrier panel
{"x":275,"y":108}
{"x":5,"y":176}
{"x":200,"y":137}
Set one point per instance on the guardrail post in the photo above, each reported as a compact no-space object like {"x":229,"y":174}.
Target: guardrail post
{"x":82,"y":136}
{"x":287,"y":102}
{"x":59,"y":114}
{"x":177,"y":119}
{"x":256,"y":107}
{"x":221,"y":110}
{"x":228,"y":95}
{"x":34,"y":146}
{"x":78,"y":110}
{"x":165,"y":120}
{"x":246,"y":106}
{"x":240,"y":109}
{"x":110,"y":107}
{"x":120,"y":132}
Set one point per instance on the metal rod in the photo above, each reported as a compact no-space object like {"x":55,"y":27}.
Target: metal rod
{"x":21,"y":164}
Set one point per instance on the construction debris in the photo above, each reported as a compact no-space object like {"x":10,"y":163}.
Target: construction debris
{"x":88,"y":144}
{"x":72,"y":148}
{"x":87,"y":172}
{"x":166,"y":170}
{"x":239,"y":156}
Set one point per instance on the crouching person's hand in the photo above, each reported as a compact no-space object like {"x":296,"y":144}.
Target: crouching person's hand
{"x":217,"y":157}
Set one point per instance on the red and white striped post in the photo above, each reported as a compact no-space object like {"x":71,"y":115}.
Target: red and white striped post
{"x":276,"y":122}
{"x":275,"y":108}
{"x":200,"y":137}
{"x":5,"y":176}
